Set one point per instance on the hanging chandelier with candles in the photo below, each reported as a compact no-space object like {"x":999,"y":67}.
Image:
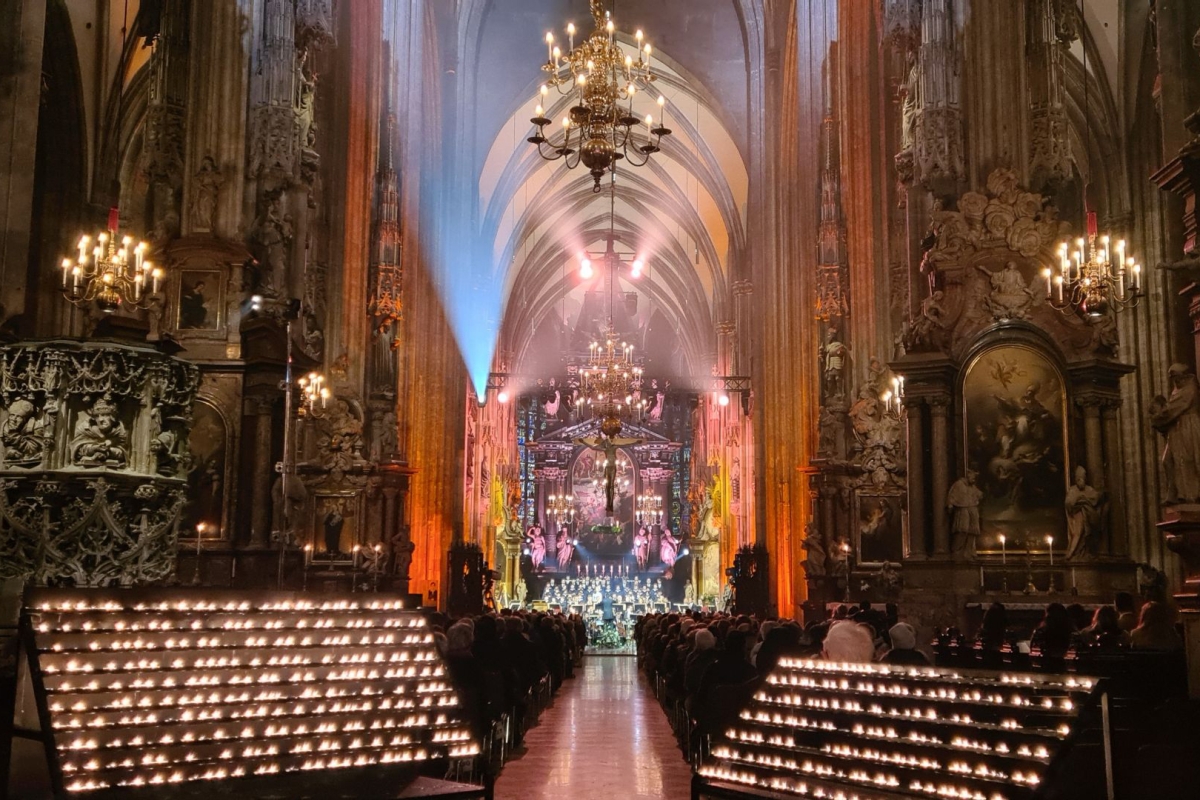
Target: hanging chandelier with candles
{"x":1093,"y":275}
{"x":314,"y":394}
{"x":649,"y":509}
{"x":601,"y":127}
{"x":610,"y":381}
{"x":561,"y":508}
{"x":111,"y":274}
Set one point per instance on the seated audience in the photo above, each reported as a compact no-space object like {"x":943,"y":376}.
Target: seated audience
{"x":849,"y":641}
{"x":1127,"y":616}
{"x":1105,"y":631}
{"x":1156,"y":630}
{"x":904,"y":646}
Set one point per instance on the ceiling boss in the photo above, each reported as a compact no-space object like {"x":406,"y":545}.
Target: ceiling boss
{"x":601,"y":81}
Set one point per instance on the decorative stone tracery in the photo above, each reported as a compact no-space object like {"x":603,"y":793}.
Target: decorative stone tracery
{"x":94,"y":462}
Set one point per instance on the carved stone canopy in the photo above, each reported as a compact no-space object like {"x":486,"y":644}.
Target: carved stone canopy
{"x":987,"y":265}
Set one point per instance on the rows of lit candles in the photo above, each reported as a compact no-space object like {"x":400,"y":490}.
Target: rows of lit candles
{"x":78,"y":606}
{"x":943,"y":693}
{"x":919,"y":674}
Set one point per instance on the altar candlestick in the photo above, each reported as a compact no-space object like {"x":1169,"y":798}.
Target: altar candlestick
{"x":375,"y":568}
{"x":308,"y":549}
{"x":1050,"y":550}
{"x":1003,"y":550}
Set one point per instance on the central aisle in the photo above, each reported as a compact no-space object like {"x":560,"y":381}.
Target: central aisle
{"x":605,"y":738}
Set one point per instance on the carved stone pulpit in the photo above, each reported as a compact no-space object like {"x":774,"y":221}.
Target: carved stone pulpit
{"x":94,"y":456}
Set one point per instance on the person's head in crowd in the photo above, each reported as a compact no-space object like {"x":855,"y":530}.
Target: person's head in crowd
{"x":903,"y":636}
{"x":765,"y":629}
{"x":841,"y":612}
{"x":1080,"y":618}
{"x":849,"y":641}
{"x":441,"y":643}
{"x":735,"y":643}
{"x":705,"y":640}
{"x":485,"y":629}
{"x":1124,"y":603}
{"x":1105,"y":620}
{"x":460,"y":637}
{"x":995,"y":624}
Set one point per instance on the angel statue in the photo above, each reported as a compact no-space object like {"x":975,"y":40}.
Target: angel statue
{"x":608,"y":445}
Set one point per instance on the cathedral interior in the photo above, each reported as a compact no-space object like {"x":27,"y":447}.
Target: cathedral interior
{"x":606,"y":328}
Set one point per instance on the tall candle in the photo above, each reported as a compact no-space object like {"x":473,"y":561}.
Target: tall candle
{"x":1050,"y":550}
{"x":1003,"y":550}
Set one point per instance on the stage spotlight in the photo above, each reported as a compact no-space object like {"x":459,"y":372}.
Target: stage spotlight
{"x":575,"y":542}
{"x":723,"y":400}
{"x":256,"y":302}
{"x":684,"y":552}
{"x":502,"y":397}
{"x":585,"y":269}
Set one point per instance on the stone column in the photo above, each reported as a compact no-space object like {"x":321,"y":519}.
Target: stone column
{"x":916,"y":477}
{"x":1181,"y":529}
{"x":941,"y":473}
{"x":21,"y":33}
{"x":1093,"y":443}
{"x":258,"y":418}
{"x":1118,"y":544}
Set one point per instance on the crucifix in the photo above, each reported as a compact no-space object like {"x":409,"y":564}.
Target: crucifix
{"x":608,"y":445}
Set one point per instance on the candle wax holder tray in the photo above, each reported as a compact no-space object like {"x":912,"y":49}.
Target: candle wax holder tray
{"x":824,"y":729}
{"x":165,"y":690}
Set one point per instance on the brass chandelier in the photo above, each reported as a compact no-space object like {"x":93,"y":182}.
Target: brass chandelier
{"x":649,"y":509}
{"x":1093,"y":276}
{"x":110,"y":274}
{"x":600,"y":128}
{"x":610,"y":380}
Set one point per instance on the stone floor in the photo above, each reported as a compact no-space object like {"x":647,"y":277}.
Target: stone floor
{"x":604,"y":738}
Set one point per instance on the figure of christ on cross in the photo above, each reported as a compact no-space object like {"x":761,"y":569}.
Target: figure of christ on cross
{"x":608,"y":445}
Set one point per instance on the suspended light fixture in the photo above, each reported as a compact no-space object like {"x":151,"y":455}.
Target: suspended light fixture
{"x":601,"y":127}
{"x":561,"y":508}
{"x":649,"y":509}
{"x":112,"y":273}
{"x":1094,"y":275}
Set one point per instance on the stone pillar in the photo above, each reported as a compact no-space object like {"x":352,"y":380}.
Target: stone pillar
{"x":941,"y":473}
{"x":1093,"y":443}
{"x":1118,"y":544}
{"x":916,"y":477}
{"x":22,"y":25}
{"x":258,"y":418}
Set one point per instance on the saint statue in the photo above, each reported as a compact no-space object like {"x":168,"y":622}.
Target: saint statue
{"x":836,"y":355}
{"x":689,"y":595}
{"x":208,"y":183}
{"x":537,"y":545}
{"x":668,"y":551}
{"x":100,"y":438}
{"x":963,"y":503}
{"x":23,"y":435}
{"x":1178,"y":418}
{"x":521,"y":592}
{"x":1085,"y":516}
{"x":566,"y":548}
{"x":641,"y":546}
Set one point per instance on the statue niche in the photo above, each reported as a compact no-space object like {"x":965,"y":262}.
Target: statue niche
{"x":101,"y":438}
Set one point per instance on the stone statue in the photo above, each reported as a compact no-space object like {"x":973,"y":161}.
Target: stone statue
{"x":208,"y":182}
{"x":163,"y":443}
{"x":273,"y":231}
{"x":836,"y":357}
{"x":23,"y":435}
{"x":829,"y":428}
{"x":1178,"y":418}
{"x":962,"y":501}
{"x":814,"y":565}
{"x":911,"y":107}
{"x":865,"y":413}
{"x":689,"y":595}
{"x":306,"y":93}
{"x":1085,"y":516}
{"x":521,"y":592}
{"x":1152,"y":584}
{"x":1010,"y":296}
{"x":100,"y":438}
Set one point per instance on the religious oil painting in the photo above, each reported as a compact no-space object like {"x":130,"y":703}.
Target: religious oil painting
{"x":199,"y":300}
{"x":879,"y":531}
{"x":207,"y":485}
{"x":335,"y":528}
{"x":597,"y":532}
{"x":1014,"y":431}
